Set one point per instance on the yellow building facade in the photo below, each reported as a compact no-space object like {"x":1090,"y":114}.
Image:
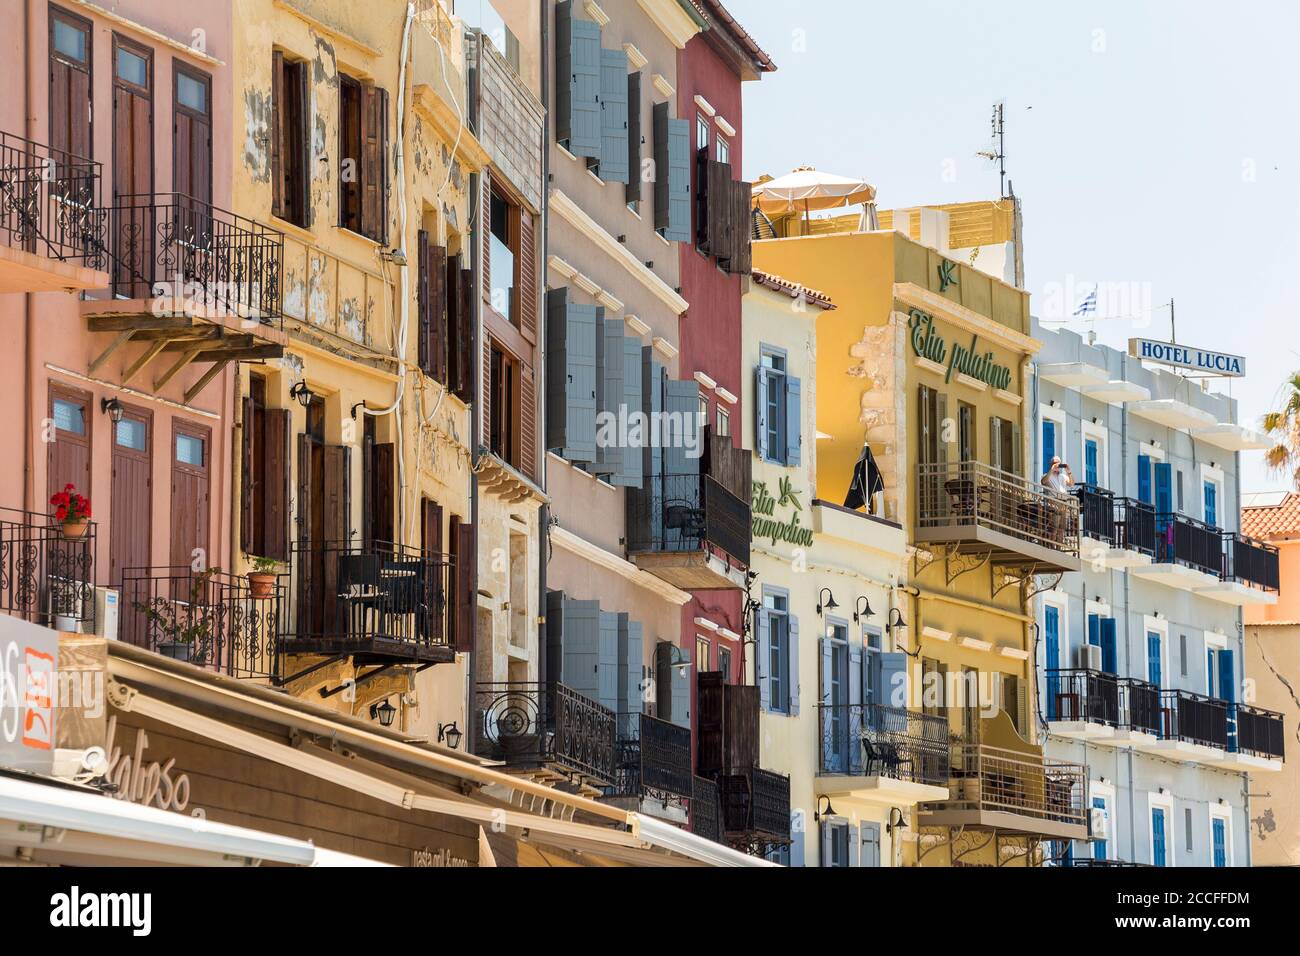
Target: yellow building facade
{"x":924,"y":361}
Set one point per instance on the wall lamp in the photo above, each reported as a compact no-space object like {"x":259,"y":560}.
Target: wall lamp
{"x":113,"y":408}
{"x":894,"y":620}
{"x":819,"y":812}
{"x":828,"y":604}
{"x":450,"y":734}
{"x":354,"y":409}
{"x":384,"y":712}
{"x":862,"y":608}
{"x":896,"y":821}
{"x":302,"y":394}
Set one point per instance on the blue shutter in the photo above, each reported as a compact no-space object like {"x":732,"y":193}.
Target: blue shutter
{"x":793,"y":423}
{"x":1164,"y":488}
{"x":1109,"y":661}
{"x":1153,"y":658}
{"x":577,"y":83}
{"x":570,"y":377}
{"x":610,"y":367}
{"x":1049,"y":444}
{"x":682,"y":404}
{"x":681,"y":695}
{"x":653,"y":385}
{"x":792,"y":652}
{"x":607,"y":662}
{"x":760,"y":412}
{"x":763,"y":659}
{"x":1090,"y":462}
{"x":1211,"y":504}
{"x":827,"y":830}
{"x":672,"y":175}
{"x":798,"y":824}
{"x":1052,"y":655}
{"x":870,"y":845}
{"x":855,"y":854}
{"x":1228,"y":692}
{"x":1094,"y":630}
{"x":854,"y":715}
{"x":581,"y":646}
{"x":1099,"y":846}
{"x":629,"y":665}
{"x":633,"y":463}
{"x":1144,"y":479}
{"x":1220,"y":842}
{"x":1157,"y":836}
{"x":832,"y":718}
{"x":633,"y":191}
{"x":893,"y":680}
{"x":613,"y":116}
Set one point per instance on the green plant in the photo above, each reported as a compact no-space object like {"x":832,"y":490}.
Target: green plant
{"x":182,"y":623}
{"x":1283,"y":427}
{"x":263,"y":565}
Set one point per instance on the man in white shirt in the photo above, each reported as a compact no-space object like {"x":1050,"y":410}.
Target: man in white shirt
{"x":1058,"y":479}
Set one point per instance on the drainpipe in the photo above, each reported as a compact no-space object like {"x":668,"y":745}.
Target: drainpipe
{"x":29,"y":311}
{"x":476,"y":409}
{"x":1128,"y":637}
{"x":544,"y":514}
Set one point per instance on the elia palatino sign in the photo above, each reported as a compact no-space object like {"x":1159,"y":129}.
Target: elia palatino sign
{"x":1185,"y":356}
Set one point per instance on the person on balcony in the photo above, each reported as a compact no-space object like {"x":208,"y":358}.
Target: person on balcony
{"x":1061,"y":480}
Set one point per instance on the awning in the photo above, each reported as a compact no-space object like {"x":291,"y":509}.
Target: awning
{"x":668,"y":837}
{"x":66,"y":825}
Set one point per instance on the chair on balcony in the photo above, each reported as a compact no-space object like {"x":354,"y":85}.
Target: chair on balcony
{"x":685,"y":518}
{"x":360,"y":592}
{"x":883,"y":758}
{"x":402,"y":584}
{"x":961,"y":496}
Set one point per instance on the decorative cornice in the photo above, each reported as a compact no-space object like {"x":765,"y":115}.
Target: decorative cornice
{"x":320,"y":26}
{"x":563,"y":538}
{"x":706,"y":381}
{"x":568,"y":210}
{"x":705,"y":106}
{"x":635,"y":58}
{"x":665,"y":347}
{"x":666,"y":89}
{"x":595,"y":12}
{"x":636,"y":324}
{"x":154,"y":35}
{"x":675,"y":23}
{"x":723,"y":125}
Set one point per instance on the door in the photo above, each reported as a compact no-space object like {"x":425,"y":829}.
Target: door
{"x":1228,"y":693}
{"x":192,"y":152}
{"x":189,"y":495}
{"x":132,"y":493}
{"x":834,"y":697}
{"x":1219,"y":834}
{"x":1211,"y":504}
{"x":1153,"y":657}
{"x":69,"y":455}
{"x":137,"y":229}
{"x":1157,"y":836}
{"x":1052,"y":655}
{"x":70,"y":68}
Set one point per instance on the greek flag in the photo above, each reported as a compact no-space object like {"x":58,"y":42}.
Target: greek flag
{"x":1089,"y":303}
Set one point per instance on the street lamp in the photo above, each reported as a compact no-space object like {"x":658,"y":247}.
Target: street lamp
{"x":862,"y":608}
{"x":384,"y":712}
{"x":113,"y":408}
{"x":450,"y":734}
{"x":828,"y":603}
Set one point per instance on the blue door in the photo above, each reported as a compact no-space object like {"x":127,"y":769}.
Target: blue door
{"x":1094,"y":630}
{"x":1109,"y":659}
{"x":1220,"y":833}
{"x":1164,"y":490}
{"x":1211,"y":504}
{"x":1090,"y":461}
{"x":1099,"y":846}
{"x":1144,"y":479}
{"x":1153,"y":657}
{"x":1157,"y":836}
{"x":1052,"y":655}
{"x":1049,"y":444}
{"x":1228,"y":692}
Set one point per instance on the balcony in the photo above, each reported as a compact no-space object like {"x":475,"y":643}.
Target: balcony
{"x":1117,"y":533}
{"x":210,"y":619}
{"x":887,"y":753}
{"x":981,"y":509}
{"x":1192,"y":727}
{"x":46,"y":577}
{"x":547,"y":730}
{"x":1082,"y":703}
{"x":1188,"y":553}
{"x":190,"y":280}
{"x":706,"y":810}
{"x":384,"y":604}
{"x":690,"y":531}
{"x":653,"y":766}
{"x":1259,"y":741}
{"x":755,"y":807}
{"x":52,"y":230}
{"x":1250,"y":572}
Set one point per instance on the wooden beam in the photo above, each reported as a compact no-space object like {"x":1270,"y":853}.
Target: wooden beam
{"x":178,"y":335}
{"x":179,"y":364}
{"x":211,"y":342}
{"x":242,"y":354}
{"x":202,"y":383}
{"x":135,"y":323}
{"x":122,"y":338}
{"x":145,"y":358}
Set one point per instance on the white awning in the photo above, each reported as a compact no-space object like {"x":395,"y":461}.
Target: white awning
{"x":668,"y":837}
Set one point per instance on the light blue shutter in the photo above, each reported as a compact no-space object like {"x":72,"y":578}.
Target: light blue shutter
{"x":570,"y":377}
{"x":681,"y":694}
{"x":893,"y":679}
{"x":609,"y":388}
{"x":1109,"y":661}
{"x":853,"y":720}
{"x":1144,"y":479}
{"x":827,"y":838}
{"x":1153,"y":658}
{"x":1211,"y":504}
{"x":1220,"y":842}
{"x":607,"y":669}
{"x":581,"y":643}
{"x":793,"y":421}
{"x":613,"y":116}
{"x":672,"y":175}
{"x":1094,"y":630}
{"x":653,"y":383}
{"x":760,"y":412}
{"x":629,"y":665}
{"x":1164,"y":488}
{"x":577,"y":93}
{"x":682,"y":404}
{"x":1090,"y":462}
{"x":870,"y":845}
{"x":855,"y":851}
{"x":792,"y":642}
{"x":1049,"y":444}
{"x":763,"y":659}
{"x":1157,"y":836}
{"x":832,"y":723}
{"x":629,"y":476}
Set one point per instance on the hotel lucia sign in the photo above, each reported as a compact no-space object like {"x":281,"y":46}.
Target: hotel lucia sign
{"x":1184,"y":356}
{"x":961,"y":359}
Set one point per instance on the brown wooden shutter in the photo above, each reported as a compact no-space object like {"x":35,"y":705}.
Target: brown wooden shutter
{"x":466,"y":586}
{"x":247,"y":482}
{"x":437,"y":268}
{"x":527,"y":276}
{"x":485,"y":391}
{"x":741,"y":256}
{"x":304,"y":493}
{"x":337,"y":506}
{"x":422,"y":300}
{"x":381,"y":483}
{"x":527,"y":420}
{"x":374,"y":103}
{"x":431,"y":527}
{"x":276,"y":436}
{"x":465,"y":336}
{"x":485,"y":227}
{"x":444,"y":588}
{"x":279,"y":116}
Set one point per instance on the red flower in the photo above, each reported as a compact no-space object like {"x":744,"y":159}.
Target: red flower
{"x":61,"y":513}
{"x":69,"y":487}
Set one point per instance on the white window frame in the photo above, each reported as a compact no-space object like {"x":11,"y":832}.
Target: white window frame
{"x":1212,"y":476}
{"x":1057,"y":416}
{"x":1161,"y":626}
{"x":723,"y":150}
{"x":1107,"y":792}
{"x":702,"y":128}
{"x":1099,"y":434}
{"x":1163,"y":801}
{"x":1224,"y":813}
{"x":723,"y":421}
{"x":1214,"y":641}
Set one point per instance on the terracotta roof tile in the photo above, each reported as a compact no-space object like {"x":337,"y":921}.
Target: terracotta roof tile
{"x":793,"y":289}
{"x":1274,"y":520}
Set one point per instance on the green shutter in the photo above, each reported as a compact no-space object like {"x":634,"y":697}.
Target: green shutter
{"x":613,"y":116}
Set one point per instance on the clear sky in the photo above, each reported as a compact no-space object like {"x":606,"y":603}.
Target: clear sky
{"x":1153,"y":143}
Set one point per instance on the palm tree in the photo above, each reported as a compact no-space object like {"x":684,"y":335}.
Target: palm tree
{"x":1283,"y":427}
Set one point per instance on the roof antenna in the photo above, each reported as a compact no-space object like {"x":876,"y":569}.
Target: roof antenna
{"x":1000,"y":154}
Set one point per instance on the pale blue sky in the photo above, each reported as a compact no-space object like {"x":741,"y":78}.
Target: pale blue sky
{"x":1162,"y":146}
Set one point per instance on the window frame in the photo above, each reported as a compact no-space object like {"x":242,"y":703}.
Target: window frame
{"x":778,"y":425}
{"x":1165,"y":802}
{"x":778,"y":703}
{"x":514,"y":230}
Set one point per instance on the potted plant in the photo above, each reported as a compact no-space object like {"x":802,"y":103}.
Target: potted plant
{"x":183,"y":624}
{"x":72,"y":511}
{"x":261,"y":580}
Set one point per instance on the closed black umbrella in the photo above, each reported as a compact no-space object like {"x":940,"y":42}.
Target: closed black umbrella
{"x":866,"y":481}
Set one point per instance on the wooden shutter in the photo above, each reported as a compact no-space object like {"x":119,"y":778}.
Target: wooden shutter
{"x":571,"y":377}
{"x":633,"y":189}
{"x":278,"y":118}
{"x":893,"y":680}
{"x":740,"y":261}
{"x":437,"y":270}
{"x":577,"y":79}
{"x":995,"y":443}
{"x":423,"y":300}
{"x":678,"y":225}
{"x":431,"y":544}
{"x":613,"y":116}
{"x":453,"y":323}
{"x":527,"y":420}
{"x":485,"y":393}
{"x":792,"y":684}
{"x":1017,"y":450}
{"x":337,"y":506}
{"x":605,"y":689}
{"x":70,"y":106}
{"x":609,"y":385}
{"x":247,"y":482}
{"x":760,"y":412}
{"x":793,"y":421}
{"x":304,"y":493}
{"x":924,"y":418}
{"x":485,"y":236}
{"x":380,"y":478}
{"x":631,"y":464}
{"x":527,"y":276}
{"x":940,"y":417}
{"x":465,"y":335}
{"x":374,"y":105}
{"x":629,"y":665}
{"x":274,"y":484}
{"x":762,"y":660}
{"x":715,"y":184}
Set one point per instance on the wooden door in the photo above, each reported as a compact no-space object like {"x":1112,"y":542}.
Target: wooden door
{"x":132,"y":493}
{"x":69,"y":455}
{"x":70,"y":104}
{"x":135,"y":230}
{"x":191,"y":459}
{"x":192,"y":134}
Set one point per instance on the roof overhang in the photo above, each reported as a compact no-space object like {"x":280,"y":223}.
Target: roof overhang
{"x":1073,"y":374}
{"x":1173,"y":414}
{"x":1233,"y":437}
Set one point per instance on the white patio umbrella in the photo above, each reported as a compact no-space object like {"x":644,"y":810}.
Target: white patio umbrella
{"x":806,"y":190}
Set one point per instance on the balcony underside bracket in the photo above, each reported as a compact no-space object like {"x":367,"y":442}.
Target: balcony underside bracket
{"x":367,"y":676}
{"x":956,"y":563}
{"x":923,"y":558}
{"x":962,"y":844}
{"x":1010,"y":852}
{"x":929,"y":839}
{"x":285,"y":681}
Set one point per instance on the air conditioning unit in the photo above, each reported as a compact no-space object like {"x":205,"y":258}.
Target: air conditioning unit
{"x":106,"y":601}
{"x":1099,"y":824}
{"x":1087,"y":657}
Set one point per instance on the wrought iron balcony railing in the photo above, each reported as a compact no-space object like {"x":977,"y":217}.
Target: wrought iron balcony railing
{"x":1083,"y":695}
{"x":1135,"y":526}
{"x":970,"y":494}
{"x":653,"y":758}
{"x":50,"y":202}
{"x":1250,"y":562}
{"x":1096,"y":511}
{"x":223,"y":263}
{"x":1260,"y":732}
{"x":877,"y":741}
{"x":706,"y":810}
{"x":207,"y":618}
{"x":1194,"y":718}
{"x":687,"y":513}
{"x":46,"y":577}
{"x":385,"y":598}
{"x":527,"y":724}
{"x":1189,"y":542}
{"x":755,"y":806}
{"x":995,"y":779}
{"x":1140,"y":705}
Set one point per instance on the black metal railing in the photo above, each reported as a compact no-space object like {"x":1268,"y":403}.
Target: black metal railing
{"x":706,"y":810}
{"x":1096,"y":512}
{"x":47,"y":577}
{"x":527,"y":724}
{"x":207,"y":618}
{"x":217,"y":262}
{"x":1250,"y":562}
{"x":653,"y":757}
{"x":50,"y":202}
{"x":970,"y":493}
{"x":387,"y":597}
{"x":1083,"y":695}
{"x":877,"y":741}
{"x":1189,"y":542}
{"x":1135,"y":526}
{"x":1140,"y":705}
{"x":756,"y":805}
{"x":1194,"y":718}
{"x":687,"y":513}
{"x":1260,"y":732}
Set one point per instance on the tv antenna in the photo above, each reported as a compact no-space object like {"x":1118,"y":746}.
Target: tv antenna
{"x":998,"y":155}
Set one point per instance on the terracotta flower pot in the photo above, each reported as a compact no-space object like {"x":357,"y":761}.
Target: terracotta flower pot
{"x":75,"y":529}
{"x":261,"y":584}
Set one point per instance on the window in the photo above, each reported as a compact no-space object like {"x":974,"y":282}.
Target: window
{"x":290,"y":170}
{"x":266,"y":435}
{"x":1006,"y":445}
{"x":362,"y":169}
{"x":704,"y":410}
{"x":966,"y":431}
{"x":776,"y":609}
{"x":777,"y":429}
{"x":192,"y":138}
{"x":1187,"y":826}
{"x":189,"y":450}
{"x":503,"y":252}
{"x":69,"y":416}
{"x":835,"y":843}
{"x":724,"y":662}
{"x":702,"y":655}
{"x":70,"y":37}
{"x":724,"y":422}
{"x":724,"y":150}
{"x":503,"y":409}
{"x":132,"y":433}
{"x":701,"y":131}
{"x":132,"y":67}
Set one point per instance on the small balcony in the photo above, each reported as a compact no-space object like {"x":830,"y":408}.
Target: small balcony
{"x":1082,"y":703}
{"x":706,"y":810}
{"x":888,"y":753}
{"x":755,"y":807}
{"x":189,"y":282}
{"x":1192,"y":727}
{"x":653,"y":766}
{"x":1188,"y":553}
{"x":46,"y":577}
{"x":1117,"y":533}
{"x":52,"y":230}
{"x":546,"y":730}
{"x":383,"y":604}
{"x":981,"y":509}
{"x":210,"y":619}
{"x":690,"y":531}
{"x":1250,"y":572}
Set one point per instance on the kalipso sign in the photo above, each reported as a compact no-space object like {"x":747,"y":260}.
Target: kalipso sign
{"x":28,"y":660}
{"x":1185,"y":356}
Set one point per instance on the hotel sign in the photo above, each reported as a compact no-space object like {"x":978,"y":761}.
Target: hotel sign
{"x":964,"y":359}
{"x":1185,"y":356}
